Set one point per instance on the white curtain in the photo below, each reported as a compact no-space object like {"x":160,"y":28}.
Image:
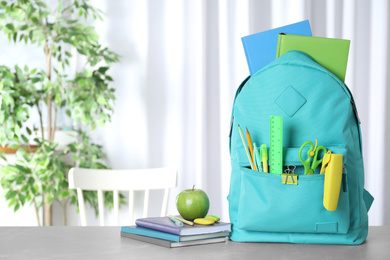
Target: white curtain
{"x":182,"y":61}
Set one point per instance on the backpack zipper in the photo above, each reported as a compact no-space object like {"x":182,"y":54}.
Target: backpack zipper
{"x":355,"y":111}
{"x":350,"y":94}
{"x":234,"y":101}
{"x":231,"y":126}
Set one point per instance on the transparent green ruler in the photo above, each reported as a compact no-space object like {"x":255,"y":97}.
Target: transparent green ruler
{"x":276,"y":144}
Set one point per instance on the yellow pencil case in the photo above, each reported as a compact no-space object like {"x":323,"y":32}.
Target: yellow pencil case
{"x":332,"y":166}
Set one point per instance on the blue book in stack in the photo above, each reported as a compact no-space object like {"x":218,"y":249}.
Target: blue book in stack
{"x":162,"y":231}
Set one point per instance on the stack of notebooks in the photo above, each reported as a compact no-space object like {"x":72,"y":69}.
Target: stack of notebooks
{"x":163,"y":232}
{"x":264,"y":47}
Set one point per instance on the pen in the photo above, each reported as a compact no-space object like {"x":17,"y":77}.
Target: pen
{"x":264,"y":157}
{"x":177,"y":222}
{"x":246,"y":147}
{"x":248,"y":136}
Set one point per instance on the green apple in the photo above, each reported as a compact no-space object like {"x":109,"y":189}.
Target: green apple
{"x":192,"y":203}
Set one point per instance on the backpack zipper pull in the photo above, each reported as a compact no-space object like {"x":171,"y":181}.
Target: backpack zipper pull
{"x":231,"y":126}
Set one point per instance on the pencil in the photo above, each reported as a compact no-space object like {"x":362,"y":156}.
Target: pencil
{"x":184,"y":221}
{"x":246,"y":147}
{"x":250,"y":147}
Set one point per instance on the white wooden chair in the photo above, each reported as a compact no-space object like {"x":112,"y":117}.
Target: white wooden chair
{"x":121,"y":180}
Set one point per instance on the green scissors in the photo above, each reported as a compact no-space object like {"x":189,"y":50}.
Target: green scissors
{"x":312,"y":152}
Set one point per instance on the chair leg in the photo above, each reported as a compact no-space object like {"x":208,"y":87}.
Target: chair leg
{"x":131,"y":207}
{"x":116,"y":207}
{"x":165,"y":203}
{"x":101,"y":207}
{"x":146,"y":204}
{"x":80,"y":198}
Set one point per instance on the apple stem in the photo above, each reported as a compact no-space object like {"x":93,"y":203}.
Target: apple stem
{"x":193,"y":187}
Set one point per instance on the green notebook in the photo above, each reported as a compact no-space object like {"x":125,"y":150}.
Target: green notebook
{"x":330,"y":53}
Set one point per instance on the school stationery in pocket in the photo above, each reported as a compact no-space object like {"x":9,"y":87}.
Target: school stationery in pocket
{"x":314,"y":192}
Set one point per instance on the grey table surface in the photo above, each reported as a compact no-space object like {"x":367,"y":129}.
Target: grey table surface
{"x":106,"y":243}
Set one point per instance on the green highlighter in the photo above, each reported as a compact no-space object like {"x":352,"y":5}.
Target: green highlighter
{"x":264,"y":157}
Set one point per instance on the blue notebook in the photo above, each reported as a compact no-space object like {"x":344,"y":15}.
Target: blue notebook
{"x":260,"y":48}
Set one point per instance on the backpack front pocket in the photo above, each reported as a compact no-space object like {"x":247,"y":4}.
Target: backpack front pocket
{"x":267,"y":205}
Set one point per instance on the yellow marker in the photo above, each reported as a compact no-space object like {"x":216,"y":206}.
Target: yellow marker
{"x":325,"y":161}
{"x":333,"y":168}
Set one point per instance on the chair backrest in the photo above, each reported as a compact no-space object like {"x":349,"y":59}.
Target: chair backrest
{"x":121,"y":180}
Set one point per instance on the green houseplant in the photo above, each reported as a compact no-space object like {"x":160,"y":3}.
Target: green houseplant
{"x":40,"y":177}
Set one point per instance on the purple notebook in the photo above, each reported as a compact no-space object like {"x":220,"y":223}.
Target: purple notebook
{"x":164,"y":224}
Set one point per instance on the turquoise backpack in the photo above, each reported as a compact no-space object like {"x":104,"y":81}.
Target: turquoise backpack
{"x":314,"y":105}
